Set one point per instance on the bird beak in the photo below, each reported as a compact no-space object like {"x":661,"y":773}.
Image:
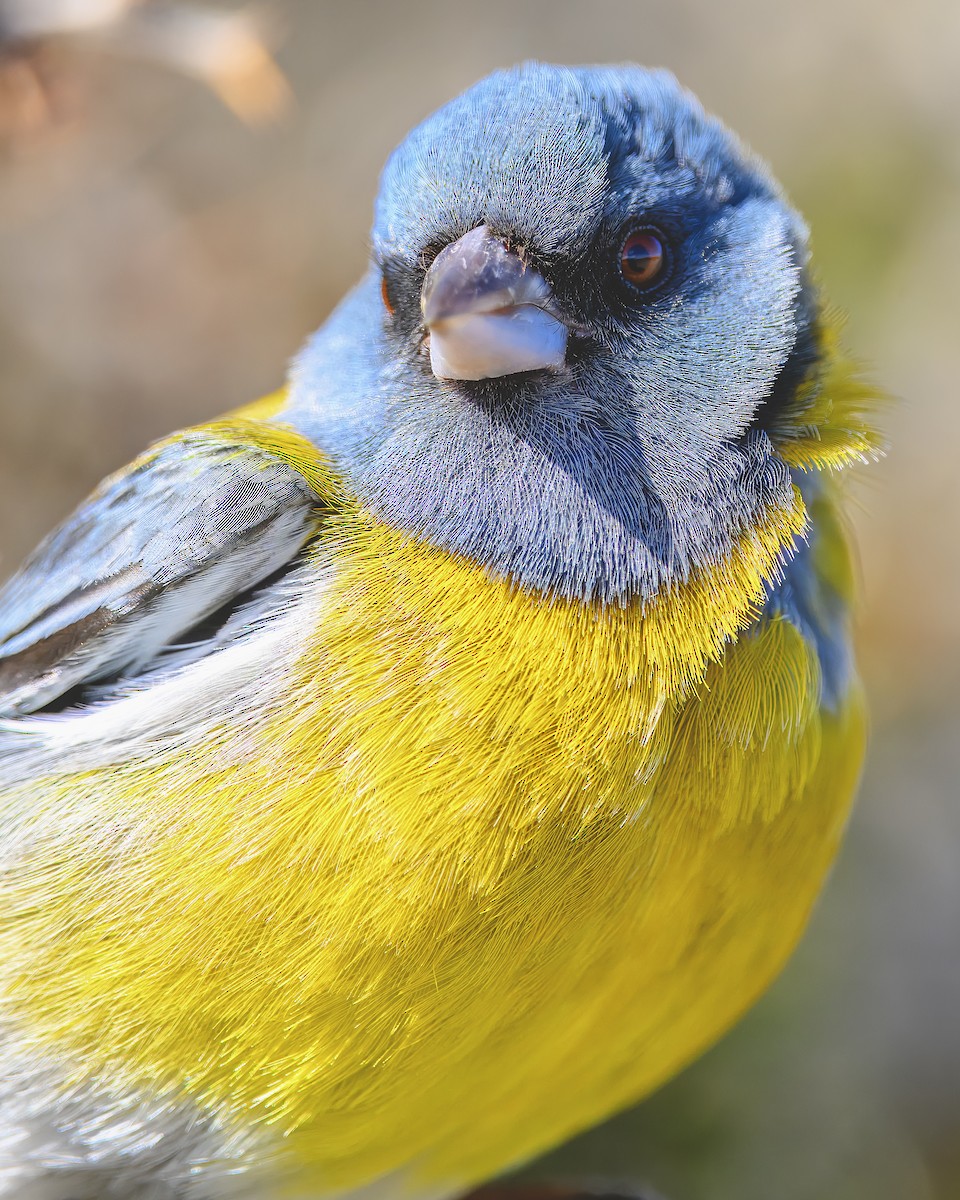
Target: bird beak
{"x":488,"y":313}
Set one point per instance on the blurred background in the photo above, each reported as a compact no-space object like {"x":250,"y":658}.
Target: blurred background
{"x":185,"y":192}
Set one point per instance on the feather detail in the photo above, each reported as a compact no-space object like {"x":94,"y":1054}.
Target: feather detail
{"x":831,"y":420}
{"x":280,"y":927}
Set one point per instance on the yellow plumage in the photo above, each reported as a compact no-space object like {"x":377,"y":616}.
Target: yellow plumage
{"x":493,"y":868}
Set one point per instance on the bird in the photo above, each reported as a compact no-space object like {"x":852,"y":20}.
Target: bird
{"x":414,"y":767}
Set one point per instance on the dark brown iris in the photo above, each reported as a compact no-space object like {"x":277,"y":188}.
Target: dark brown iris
{"x":642,"y":259}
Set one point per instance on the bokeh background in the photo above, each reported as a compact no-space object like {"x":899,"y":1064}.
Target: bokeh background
{"x":161,"y":259}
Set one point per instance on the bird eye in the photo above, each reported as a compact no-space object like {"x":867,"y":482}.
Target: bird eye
{"x":643,"y":259}
{"x":385,"y":293}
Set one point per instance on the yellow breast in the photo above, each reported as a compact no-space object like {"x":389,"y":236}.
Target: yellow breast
{"x":485,"y":868}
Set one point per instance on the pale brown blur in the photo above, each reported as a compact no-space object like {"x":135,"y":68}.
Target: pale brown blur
{"x":160,"y":260}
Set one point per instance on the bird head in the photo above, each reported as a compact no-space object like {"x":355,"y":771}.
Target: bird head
{"x":587,"y":346}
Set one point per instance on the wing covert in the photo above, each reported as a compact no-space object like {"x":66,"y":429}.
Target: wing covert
{"x":157,"y":548}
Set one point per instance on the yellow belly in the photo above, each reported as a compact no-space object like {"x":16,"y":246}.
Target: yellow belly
{"x":493,"y":869}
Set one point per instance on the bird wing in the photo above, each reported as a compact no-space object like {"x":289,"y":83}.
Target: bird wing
{"x":160,"y":546}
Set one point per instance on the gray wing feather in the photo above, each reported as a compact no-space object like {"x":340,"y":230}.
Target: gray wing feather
{"x":155,"y":550}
